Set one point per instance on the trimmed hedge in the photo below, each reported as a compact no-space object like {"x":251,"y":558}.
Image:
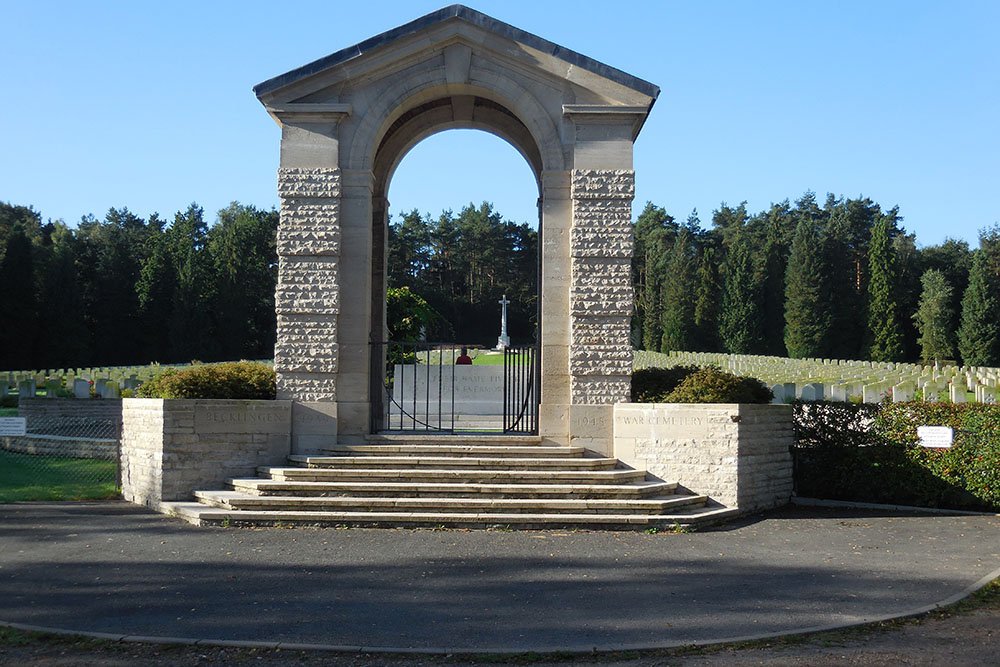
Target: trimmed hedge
{"x":870,"y":453}
{"x":241,"y":379}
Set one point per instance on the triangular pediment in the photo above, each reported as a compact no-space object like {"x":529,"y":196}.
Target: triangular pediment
{"x":594,"y":82}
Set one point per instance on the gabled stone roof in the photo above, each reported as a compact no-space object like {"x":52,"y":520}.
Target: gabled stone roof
{"x":473,"y":17}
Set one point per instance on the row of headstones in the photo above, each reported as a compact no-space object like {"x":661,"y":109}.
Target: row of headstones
{"x":108,"y":382}
{"x":103,"y":387}
{"x":816,"y":379}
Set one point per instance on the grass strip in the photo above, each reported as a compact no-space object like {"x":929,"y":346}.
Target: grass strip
{"x":25,"y":477}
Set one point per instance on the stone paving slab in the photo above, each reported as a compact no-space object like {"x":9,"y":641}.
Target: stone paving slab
{"x":119,"y":569}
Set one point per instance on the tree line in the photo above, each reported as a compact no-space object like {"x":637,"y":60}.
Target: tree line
{"x":841,"y":279}
{"x":837,"y":279}
{"x":126,"y":290}
{"x":462,"y":265}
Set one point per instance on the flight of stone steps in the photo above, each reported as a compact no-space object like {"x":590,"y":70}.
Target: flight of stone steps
{"x":426,"y":481}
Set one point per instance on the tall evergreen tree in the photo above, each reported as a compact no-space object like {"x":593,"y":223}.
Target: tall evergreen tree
{"x":244,"y":265}
{"x":884,"y":330}
{"x":679,"y":293}
{"x":933,"y":317}
{"x":191,"y":331}
{"x":17,"y":302}
{"x":773,"y":266}
{"x":953,"y":258}
{"x":409,"y":250}
{"x":654,"y":232}
{"x":706,"y":306}
{"x":807,"y":310}
{"x":979,"y":334}
{"x":61,"y":334}
{"x":155,"y":289}
{"x":739,"y":320}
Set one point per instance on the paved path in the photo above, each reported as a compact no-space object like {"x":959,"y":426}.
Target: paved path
{"x":116,"y":568}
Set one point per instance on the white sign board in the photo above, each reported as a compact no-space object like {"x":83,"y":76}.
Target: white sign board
{"x":935,"y":436}
{"x":12,"y":425}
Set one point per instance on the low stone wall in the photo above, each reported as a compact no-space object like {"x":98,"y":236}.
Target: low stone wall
{"x":737,"y":454}
{"x":43,"y":409}
{"x":171,"y":448}
{"x":61,"y":446}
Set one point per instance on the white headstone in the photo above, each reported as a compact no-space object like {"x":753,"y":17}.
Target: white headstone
{"x":81,"y":388}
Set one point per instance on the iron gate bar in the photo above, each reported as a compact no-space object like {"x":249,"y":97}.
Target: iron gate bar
{"x":399,"y":393}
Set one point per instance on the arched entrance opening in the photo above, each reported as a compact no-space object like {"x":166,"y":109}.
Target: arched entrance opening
{"x":474,"y":365}
{"x":346,"y":121}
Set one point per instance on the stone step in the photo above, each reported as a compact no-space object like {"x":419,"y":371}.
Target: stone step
{"x":235,"y":500}
{"x":452,"y":462}
{"x":474,"y":440}
{"x":436,"y":474}
{"x":505,"y":451}
{"x":201,"y":514}
{"x":399,"y":488}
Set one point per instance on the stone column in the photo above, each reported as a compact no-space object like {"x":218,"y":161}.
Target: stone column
{"x":307,"y":299}
{"x":600,"y":354}
{"x":356,"y":328}
{"x":554,"y":281}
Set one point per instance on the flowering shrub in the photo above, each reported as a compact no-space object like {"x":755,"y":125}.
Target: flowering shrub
{"x":241,"y":379}
{"x":871,"y":453}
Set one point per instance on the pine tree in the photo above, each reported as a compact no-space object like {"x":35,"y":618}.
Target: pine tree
{"x":933,"y":317}
{"x":654,"y":232}
{"x":62,"y":335}
{"x":772,"y":279}
{"x":706,"y":307}
{"x":191,"y":334}
{"x":884,"y":330}
{"x":155,"y":289}
{"x":17,"y":302}
{"x":979,"y":334}
{"x":242,"y":249}
{"x":679,"y":295}
{"x":807,"y":311}
{"x":739,"y":320}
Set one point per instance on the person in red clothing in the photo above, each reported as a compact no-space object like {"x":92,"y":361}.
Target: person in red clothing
{"x":464,"y":359}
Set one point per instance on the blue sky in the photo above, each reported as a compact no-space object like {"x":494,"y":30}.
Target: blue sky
{"x":149,"y":105}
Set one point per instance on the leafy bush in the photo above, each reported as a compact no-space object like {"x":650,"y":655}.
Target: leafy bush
{"x":711,"y":385}
{"x":8,"y":401}
{"x":242,"y":379}
{"x":834,"y":424}
{"x":652,"y":385}
{"x":870,"y":453}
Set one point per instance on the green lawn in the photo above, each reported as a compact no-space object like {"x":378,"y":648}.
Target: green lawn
{"x":488,"y":359}
{"x":27,"y":477}
{"x":8,"y":412}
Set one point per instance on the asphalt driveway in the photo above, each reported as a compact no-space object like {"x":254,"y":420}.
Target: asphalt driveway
{"x":116,"y":568}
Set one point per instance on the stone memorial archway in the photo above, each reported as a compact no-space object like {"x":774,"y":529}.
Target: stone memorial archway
{"x":349,"y":118}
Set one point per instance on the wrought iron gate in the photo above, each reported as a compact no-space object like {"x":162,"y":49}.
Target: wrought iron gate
{"x":520,"y":389}
{"x":422,"y":387}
